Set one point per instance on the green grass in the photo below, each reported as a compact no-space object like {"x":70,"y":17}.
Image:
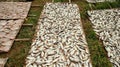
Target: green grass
{"x":17,"y":55}
{"x":61,"y":0}
{"x":98,"y":54}
{"x":58,"y":0}
{"x":106,"y":5}
{"x":20,"y":50}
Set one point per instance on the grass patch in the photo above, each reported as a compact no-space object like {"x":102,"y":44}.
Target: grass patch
{"x":106,"y":5}
{"x":58,"y":1}
{"x":19,"y":50}
{"x":17,"y":59}
{"x":17,"y":55}
{"x":115,"y":4}
{"x":98,"y":54}
{"x":61,"y":0}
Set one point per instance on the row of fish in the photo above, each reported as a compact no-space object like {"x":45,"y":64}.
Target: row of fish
{"x":96,"y":1}
{"x":60,"y":40}
{"x":106,"y":24}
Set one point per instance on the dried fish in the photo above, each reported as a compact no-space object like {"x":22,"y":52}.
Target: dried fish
{"x":74,"y":58}
{"x":95,"y":1}
{"x":106,"y":25}
{"x":57,"y":38}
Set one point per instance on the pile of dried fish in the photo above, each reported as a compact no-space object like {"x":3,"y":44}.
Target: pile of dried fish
{"x":106,"y":24}
{"x":95,"y":1}
{"x":60,"y":41}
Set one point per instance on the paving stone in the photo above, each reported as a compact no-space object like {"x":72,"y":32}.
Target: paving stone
{"x":14,"y":10}
{"x":60,"y":40}
{"x":8,"y":33}
{"x":106,"y":24}
{"x":12,"y":16}
{"x":3,"y":61}
{"x":13,"y":0}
